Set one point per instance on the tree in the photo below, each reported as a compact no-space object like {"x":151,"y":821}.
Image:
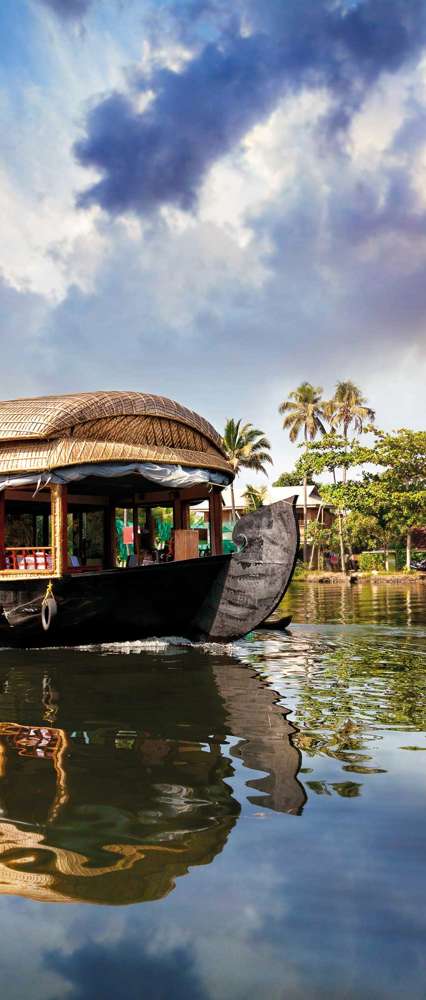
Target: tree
{"x":254,"y":496}
{"x":304,"y":412}
{"x":396,"y":496}
{"x":246,"y":447}
{"x":364,"y":531}
{"x":348,"y":407}
{"x":403,"y":455}
{"x":294,"y":478}
{"x":331,"y":452}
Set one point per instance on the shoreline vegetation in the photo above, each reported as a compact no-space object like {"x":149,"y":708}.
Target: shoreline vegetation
{"x":373,"y":487}
{"x":305,"y":575}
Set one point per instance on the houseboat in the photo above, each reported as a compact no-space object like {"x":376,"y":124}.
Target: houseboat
{"x":68,"y":464}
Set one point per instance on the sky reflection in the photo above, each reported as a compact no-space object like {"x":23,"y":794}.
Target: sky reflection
{"x":314,"y":890}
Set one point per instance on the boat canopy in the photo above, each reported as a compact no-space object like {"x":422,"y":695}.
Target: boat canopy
{"x":111,"y":433}
{"x":171,"y":476}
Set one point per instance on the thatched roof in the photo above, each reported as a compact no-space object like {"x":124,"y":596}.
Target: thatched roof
{"x":53,"y":431}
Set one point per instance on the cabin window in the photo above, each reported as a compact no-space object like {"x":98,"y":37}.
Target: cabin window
{"x":198,"y":522}
{"x":19,"y":529}
{"x":42,"y":529}
{"x":162,"y":527}
{"x":85,"y":536}
{"x":94,"y":536}
{"x":26,"y":542}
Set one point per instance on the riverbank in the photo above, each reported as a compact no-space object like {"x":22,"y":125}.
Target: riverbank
{"x":352,"y":577}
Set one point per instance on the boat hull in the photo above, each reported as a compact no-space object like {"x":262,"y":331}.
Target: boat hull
{"x":217,"y":598}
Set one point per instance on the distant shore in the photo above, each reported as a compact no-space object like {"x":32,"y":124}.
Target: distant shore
{"x":353,"y":577}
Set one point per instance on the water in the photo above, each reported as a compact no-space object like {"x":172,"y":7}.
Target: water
{"x":168,"y":828}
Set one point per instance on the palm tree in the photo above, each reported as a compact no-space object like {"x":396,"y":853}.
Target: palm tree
{"x":304,"y":412}
{"x":255,"y":496}
{"x":246,"y":447}
{"x":348,"y":406}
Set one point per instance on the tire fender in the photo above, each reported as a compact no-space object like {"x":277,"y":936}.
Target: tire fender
{"x":49,"y":610}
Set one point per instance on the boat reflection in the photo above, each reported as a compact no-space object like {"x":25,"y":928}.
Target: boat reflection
{"x":114,"y":770}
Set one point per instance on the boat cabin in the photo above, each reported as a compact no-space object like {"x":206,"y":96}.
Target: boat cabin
{"x":84,"y":478}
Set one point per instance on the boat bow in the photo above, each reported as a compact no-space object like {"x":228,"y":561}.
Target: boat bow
{"x":256,"y":577}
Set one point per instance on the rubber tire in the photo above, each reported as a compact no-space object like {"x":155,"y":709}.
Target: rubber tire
{"x":49,"y":610}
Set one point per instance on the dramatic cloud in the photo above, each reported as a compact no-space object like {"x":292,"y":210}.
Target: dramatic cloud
{"x":196,"y":115}
{"x":297,"y":131}
{"x":69,"y":9}
{"x":120,"y":970}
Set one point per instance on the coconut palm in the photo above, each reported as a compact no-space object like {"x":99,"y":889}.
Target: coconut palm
{"x":254,"y":496}
{"x":348,"y":406}
{"x":246,"y":447}
{"x":304,"y":413}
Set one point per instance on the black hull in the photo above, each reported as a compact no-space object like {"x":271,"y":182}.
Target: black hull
{"x":218,"y":598}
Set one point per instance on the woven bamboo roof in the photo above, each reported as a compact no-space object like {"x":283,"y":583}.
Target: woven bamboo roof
{"x":52,"y":431}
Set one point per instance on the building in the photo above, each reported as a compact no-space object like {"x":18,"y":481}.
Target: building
{"x":317,"y":510}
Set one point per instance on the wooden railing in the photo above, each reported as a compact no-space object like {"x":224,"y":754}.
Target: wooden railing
{"x":26,"y":558}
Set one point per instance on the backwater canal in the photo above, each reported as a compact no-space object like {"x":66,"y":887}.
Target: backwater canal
{"x":220,"y":823}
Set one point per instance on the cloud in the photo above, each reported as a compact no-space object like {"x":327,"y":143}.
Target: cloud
{"x":161,"y":155}
{"x":306,"y":257}
{"x":22,"y":314}
{"x":68,"y":9}
{"x":127,"y":969}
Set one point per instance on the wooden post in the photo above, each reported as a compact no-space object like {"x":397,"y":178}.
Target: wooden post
{"x":136,"y":539}
{"x":59,"y":501}
{"x":81,"y":538}
{"x":110,"y":537}
{"x":177,"y":514}
{"x":408,"y":550}
{"x":186,"y":544}
{"x":180,"y":514}
{"x":185,"y":516}
{"x":2,"y":529}
{"x":215,"y":521}
{"x":150,"y":527}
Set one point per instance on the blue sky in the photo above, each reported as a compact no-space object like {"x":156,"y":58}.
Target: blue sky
{"x":215,"y":201}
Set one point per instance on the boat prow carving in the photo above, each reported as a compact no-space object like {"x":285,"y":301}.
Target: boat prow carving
{"x":254,"y":581}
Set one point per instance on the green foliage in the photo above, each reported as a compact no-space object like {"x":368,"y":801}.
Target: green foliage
{"x":254,"y":497}
{"x":289,"y":479}
{"x":163,"y":519}
{"x":371,"y":560}
{"x":348,"y":407}
{"x":363,"y":531}
{"x":246,"y":446}
{"x":300,"y":571}
{"x":395,"y":496}
{"x":404,"y":454}
{"x":388,"y":497}
{"x":295,"y":477}
{"x":304,"y":411}
{"x":331,"y":452}
{"x":318,"y":534}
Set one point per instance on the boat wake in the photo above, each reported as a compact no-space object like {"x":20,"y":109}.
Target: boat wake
{"x":153,"y":645}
